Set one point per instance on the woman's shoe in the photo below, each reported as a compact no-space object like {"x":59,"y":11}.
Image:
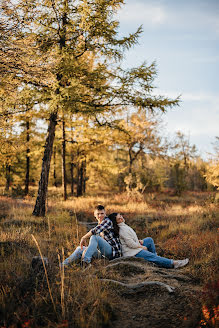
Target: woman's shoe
{"x":180,"y":263}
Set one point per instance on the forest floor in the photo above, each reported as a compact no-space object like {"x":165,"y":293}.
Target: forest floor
{"x":119,"y":293}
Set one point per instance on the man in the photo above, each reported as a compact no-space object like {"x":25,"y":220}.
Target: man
{"x":104,"y":237}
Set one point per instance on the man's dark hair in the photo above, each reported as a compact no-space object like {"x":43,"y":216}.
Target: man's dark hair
{"x":99,"y":207}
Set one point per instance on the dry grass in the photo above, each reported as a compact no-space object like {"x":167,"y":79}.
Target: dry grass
{"x":185,"y":227}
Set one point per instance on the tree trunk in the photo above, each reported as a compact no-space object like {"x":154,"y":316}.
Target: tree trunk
{"x":64,"y":178}
{"x":84,"y":176}
{"x":40,"y":206}
{"x":79,"y":179}
{"x":27,"y":178}
{"x":72,"y":175}
{"x":72,"y":161}
{"x":8,"y":177}
{"x":130,"y":160}
{"x":54,"y":168}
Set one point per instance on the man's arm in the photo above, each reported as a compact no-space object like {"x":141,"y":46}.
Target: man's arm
{"x":83,"y":239}
{"x":105,"y":224}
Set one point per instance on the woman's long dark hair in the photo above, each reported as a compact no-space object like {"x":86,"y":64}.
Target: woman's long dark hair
{"x":112,"y":217}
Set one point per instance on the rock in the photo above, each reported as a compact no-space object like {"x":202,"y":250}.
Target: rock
{"x":37,"y":264}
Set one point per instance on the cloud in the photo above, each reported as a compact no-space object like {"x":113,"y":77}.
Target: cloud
{"x":207,"y":59}
{"x":201,"y":96}
{"x":204,"y":97}
{"x":187,"y":15}
{"x":197,"y":114}
{"x":142,"y":13}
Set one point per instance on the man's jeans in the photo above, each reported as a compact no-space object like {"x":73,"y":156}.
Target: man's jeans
{"x":151,"y":255}
{"x":91,"y":251}
{"x":75,"y":256}
{"x":95,"y":243}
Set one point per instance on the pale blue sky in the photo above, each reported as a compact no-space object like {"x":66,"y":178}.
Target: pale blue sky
{"x":182,"y":36}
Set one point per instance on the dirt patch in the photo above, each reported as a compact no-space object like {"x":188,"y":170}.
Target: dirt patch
{"x":151,"y":296}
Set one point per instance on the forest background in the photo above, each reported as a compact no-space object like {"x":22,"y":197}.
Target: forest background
{"x":109,"y":133}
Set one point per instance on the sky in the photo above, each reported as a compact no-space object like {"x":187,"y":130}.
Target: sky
{"x":182,"y":36}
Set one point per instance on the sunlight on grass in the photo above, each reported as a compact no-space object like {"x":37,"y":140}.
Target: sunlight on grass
{"x":179,"y":228}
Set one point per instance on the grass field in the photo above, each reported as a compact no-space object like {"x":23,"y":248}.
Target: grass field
{"x":181,"y":227}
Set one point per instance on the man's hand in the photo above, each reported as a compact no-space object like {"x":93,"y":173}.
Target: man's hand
{"x":83,"y":239}
{"x":83,"y":254}
{"x":82,"y":242}
{"x":144,"y":248}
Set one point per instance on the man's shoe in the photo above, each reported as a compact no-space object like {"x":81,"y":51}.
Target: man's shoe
{"x":180,"y":263}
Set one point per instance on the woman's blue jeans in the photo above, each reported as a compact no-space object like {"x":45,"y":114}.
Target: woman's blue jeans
{"x":151,"y":255}
{"x":95,"y":243}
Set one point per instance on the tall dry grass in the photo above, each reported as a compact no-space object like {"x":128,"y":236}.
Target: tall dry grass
{"x":181,"y":227}
{"x":52,"y":298}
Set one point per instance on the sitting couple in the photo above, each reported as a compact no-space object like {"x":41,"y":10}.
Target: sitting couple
{"x":113,"y":238}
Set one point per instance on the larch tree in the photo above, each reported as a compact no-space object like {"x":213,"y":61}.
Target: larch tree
{"x":56,"y":38}
{"x":135,"y":136}
{"x":64,"y":31}
{"x":183,"y":153}
{"x":212,"y":174}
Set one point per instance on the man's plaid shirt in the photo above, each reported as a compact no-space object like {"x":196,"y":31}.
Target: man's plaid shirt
{"x":106,"y":226}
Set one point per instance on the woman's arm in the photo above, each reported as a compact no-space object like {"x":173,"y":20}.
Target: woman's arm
{"x":141,"y":242}
{"x":129,"y":237}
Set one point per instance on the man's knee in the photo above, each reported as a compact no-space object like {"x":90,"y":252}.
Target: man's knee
{"x":94,"y":237}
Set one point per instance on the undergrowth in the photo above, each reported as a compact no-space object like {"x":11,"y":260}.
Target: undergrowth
{"x":181,"y":228}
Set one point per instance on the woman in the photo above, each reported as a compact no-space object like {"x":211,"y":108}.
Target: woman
{"x":145,"y":248}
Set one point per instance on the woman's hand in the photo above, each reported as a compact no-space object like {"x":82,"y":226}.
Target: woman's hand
{"x":143,"y":247}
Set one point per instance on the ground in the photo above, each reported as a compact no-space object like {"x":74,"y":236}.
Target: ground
{"x":173,"y":303}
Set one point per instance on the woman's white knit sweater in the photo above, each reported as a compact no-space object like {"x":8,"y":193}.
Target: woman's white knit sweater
{"x":129,"y":240}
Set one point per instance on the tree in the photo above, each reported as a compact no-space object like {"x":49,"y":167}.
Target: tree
{"x":63,"y":37}
{"x":212,"y":175}
{"x":136,"y":136}
{"x":181,"y":161}
{"x":9,"y":149}
{"x":183,"y":151}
